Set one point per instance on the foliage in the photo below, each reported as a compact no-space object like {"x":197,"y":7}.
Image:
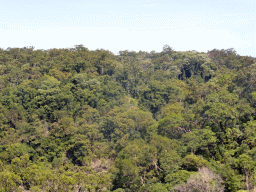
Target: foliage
{"x":81,"y":120}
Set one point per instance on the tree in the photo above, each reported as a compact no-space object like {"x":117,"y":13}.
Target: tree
{"x":204,"y":180}
{"x":248,"y":168}
{"x":136,"y":163}
{"x":167,"y":49}
{"x":9,"y":181}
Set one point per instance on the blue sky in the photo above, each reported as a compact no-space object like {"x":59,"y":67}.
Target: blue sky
{"x":184,"y":25}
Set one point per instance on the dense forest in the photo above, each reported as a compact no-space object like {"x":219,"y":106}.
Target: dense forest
{"x":81,"y":120}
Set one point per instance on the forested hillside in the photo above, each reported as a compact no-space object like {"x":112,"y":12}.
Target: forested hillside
{"x":80,"y":120}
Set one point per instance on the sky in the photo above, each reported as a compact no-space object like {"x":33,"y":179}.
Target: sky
{"x":134,"y":25}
